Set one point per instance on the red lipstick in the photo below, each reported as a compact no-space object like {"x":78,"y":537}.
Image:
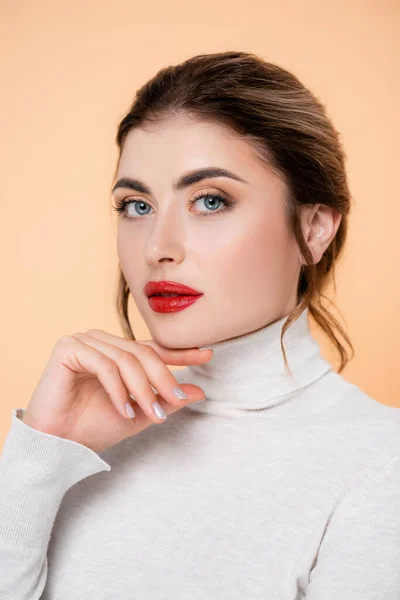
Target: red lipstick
{"x":182,"y":296}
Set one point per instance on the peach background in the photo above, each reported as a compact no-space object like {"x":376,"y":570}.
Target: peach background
{"x":69,"y":71}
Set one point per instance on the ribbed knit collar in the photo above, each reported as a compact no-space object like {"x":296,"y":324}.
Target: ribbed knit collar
{"x":247,"y":372}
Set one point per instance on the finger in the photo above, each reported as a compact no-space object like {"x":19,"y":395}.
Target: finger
{"x":142,"y":421}
{"x":170,"y":356}
{"x":162,"y":380}
{"x":135,"y":375}
{"x":106,"y":370}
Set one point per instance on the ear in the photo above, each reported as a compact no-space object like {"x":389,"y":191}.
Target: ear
{"x":320,"y":224}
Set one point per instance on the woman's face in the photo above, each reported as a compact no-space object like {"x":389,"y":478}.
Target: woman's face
{"x":242,"y":258}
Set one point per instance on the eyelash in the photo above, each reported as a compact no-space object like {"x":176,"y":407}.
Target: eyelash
{"x":122,"y":204}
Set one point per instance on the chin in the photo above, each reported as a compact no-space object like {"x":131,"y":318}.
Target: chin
{"x":173,"y":345}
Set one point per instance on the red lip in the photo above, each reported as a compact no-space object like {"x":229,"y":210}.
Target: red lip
{"x":169,"y":287}
{"x":165,"y":304}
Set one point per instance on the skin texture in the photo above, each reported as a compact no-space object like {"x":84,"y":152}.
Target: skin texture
{"x":245,"y":260}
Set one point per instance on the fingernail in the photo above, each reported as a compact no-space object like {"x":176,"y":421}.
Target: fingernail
{"x":179,"y":393}
{"x":129,"y":410}
{"x":159,"y":411}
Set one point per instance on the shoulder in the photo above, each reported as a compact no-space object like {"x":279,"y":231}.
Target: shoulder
{"x":351,"y":403}
{"x":356,"y":424}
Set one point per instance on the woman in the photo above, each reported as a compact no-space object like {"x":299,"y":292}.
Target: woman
{"x":284,"y":482}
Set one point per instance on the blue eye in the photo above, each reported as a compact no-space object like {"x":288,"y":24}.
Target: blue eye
{"x":212,"y":198}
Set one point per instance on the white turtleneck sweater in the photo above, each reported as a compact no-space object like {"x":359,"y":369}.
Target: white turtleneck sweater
{"x":270,"y":489}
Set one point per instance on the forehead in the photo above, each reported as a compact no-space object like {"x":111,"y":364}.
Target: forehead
{"x":159,"y":153}
{"x":182,"y":143}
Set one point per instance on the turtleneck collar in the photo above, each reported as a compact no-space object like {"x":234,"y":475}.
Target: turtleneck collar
{"x":248,"y":372}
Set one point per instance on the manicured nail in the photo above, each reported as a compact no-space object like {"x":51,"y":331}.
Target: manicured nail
{"x":159,"y":411}
{"x":129,"y":410}
{"x":201,"y":399}
{"x":179,"y":393}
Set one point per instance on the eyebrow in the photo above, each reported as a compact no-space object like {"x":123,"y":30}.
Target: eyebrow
{"x":182,"y":182}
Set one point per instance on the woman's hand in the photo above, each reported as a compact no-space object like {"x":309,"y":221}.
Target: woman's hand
{"x":88,"y":380}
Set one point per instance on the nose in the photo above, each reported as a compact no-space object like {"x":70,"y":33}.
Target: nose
{"x":165,"y":241}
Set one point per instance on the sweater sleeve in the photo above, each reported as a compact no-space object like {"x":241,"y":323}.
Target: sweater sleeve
{"x":36,"y":469}
{"x":359,"y":555}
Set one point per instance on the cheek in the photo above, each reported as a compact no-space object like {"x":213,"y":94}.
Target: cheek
{"x":130,"y":258}
{"x":123,"y":250}
{"x":259,"y":261}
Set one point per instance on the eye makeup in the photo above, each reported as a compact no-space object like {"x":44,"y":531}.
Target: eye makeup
{"x":121,"y":205}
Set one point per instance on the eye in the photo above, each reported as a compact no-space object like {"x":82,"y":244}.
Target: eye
{"x":121,"y":206}
{"x":209,"y":199}
{"x":213,"y":198}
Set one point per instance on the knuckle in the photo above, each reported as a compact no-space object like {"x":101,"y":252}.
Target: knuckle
{"x":127,"y":359}
{"x":63,"y":345}
{"x":108,"y":365}
{"x":78,"y":335}
{"x":146,"y":350}
{"x":93,"y":332}
{"x":65,"y":340}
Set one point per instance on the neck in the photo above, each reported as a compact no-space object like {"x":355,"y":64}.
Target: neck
{"x":248,"y":371}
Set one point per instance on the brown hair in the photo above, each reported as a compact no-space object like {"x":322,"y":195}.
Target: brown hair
{"x":288,"y":128}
